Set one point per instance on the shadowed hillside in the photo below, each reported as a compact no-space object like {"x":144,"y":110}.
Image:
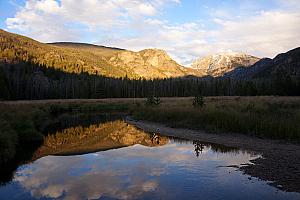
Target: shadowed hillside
{"x":284,"y":65}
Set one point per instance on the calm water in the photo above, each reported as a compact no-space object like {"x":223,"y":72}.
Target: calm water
{"x":114,"y":160}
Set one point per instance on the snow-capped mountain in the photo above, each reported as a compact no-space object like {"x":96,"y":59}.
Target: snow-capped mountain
{"x":221,"y":63}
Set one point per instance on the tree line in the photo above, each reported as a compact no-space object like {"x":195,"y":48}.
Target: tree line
{"x":25,"y":80}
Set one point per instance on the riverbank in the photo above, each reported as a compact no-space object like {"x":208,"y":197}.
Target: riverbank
{"x":268,"y":117}
{"x":272,"y":117}
{"x":279,"y":163}
{"x":27,"y":122}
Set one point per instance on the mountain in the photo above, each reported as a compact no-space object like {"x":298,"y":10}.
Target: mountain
{"x":219,"y":64}
{"x":93,"y":59}
{"x":16,"y":48}
{"x":283,"y":65}
{"x":149,"y":63}
{"x":91,"y":48}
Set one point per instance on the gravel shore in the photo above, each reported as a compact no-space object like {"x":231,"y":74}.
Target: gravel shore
{"x":279,"y":164}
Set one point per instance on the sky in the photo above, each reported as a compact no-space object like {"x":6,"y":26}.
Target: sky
{"x":186,"y":29}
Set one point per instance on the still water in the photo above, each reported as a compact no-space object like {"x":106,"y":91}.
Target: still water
{"x":114,"y":160}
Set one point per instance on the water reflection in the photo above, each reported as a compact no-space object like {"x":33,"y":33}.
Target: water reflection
{"x":26,"y":152}
{"x":98,"y":137}
{"x":114,"y":160}
{"x":109,"y":135}
{"x":68,"y":120}
{"x":129,"y":173}
{"x":198,"y":147}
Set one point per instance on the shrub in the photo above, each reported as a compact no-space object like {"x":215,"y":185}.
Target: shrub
{"x":153,"y":100}
{"x":198,"y":101}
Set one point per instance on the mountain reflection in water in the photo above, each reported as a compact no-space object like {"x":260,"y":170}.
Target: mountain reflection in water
{"x":99,"y":137}
{"x":115,"y":160}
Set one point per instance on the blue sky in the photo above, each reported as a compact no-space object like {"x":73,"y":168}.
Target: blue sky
{"x":186,"y":29}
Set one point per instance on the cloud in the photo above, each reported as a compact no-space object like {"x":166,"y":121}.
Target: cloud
{"x":264,"y":35}
{"x":41,"y":20}
{"x":103,"y":179}
{"x":136,"y":25}
{"x":51,"y":20}
{"x":127,"y":173}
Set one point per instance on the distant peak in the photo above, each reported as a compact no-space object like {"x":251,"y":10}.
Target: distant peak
{"x":154,"y":50}
{"x":228,"y":53}
{"x":223,"y":62}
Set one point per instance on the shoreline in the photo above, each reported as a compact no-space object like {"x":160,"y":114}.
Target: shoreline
{"x":279,"y":163}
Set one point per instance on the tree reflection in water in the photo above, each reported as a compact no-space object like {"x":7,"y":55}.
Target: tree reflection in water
{"x":199,"y":147}
{"x":155,"y":138}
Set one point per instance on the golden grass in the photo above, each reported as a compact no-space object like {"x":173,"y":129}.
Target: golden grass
{"x":271,"y":117}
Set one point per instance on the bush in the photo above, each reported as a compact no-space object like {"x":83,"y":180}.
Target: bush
{"x":153,"y":101}
{"x":198,"y":101}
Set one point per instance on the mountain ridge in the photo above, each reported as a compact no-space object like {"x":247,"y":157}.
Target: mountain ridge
{"x":75,"y":59}
{"x":281,"y":66}
{"x":82,"y":44}
{"x":217,"y":65}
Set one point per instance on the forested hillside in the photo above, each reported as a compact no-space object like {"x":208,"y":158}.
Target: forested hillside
{"x":29,"y":81}
{"x":33,"y":70}
{"x":15,"y":48}
{"x":92,"y":59}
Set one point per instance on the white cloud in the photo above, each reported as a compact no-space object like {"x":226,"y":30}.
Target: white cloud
{"x":267,"y":34}
{"x":136,"y":25}
{"x":41,"y":20}
{"x":263,"y":35}
{"x":51,"y":20}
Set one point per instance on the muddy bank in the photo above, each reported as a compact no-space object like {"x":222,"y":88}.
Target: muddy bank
{"x":280,"y":161}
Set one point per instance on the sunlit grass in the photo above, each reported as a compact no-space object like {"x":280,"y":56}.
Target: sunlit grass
{"x":277,"y":118}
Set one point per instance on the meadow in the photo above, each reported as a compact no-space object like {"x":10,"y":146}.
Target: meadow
{"x":24,"y":122}
{"x":265,"y":117}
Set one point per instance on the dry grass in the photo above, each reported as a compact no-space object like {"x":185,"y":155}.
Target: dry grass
{"x":270,"y":117}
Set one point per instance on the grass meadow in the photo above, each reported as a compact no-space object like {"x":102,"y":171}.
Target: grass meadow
{"x":266,"y":117}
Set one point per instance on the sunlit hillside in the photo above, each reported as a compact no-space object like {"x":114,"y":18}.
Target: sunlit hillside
{"x":77,"y":58}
